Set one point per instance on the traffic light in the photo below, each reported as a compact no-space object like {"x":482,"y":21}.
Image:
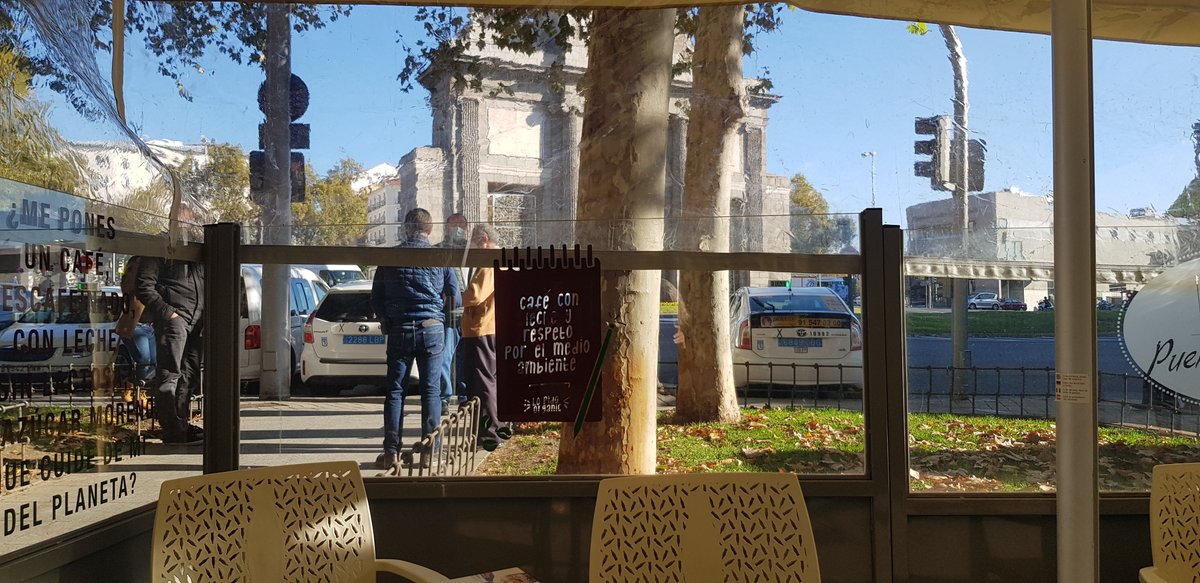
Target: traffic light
{"x":258,"y":176}
{"x":937,"y":168}
{"x":297,"y":170}
{"x":976,"y":151}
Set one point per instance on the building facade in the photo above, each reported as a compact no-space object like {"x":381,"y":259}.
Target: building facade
{"x":508,"y":153}
{"x":1011,"y":236}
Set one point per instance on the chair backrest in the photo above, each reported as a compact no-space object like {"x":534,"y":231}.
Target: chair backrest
{"x":702,"y":527}
{"x":1175,"y":521}
{"x":305,"y":522}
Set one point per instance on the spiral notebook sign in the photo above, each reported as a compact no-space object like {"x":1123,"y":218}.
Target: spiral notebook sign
{"x":548,"y":333}
{"x":1160,"y":329}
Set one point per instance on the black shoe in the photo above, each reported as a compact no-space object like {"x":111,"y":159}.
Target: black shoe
{"x":385,"y":461}
{"x":504,"y":432}
{"x":489,"y":444}
{"x":407,"y":461}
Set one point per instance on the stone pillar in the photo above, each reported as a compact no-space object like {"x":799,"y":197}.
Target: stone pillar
{"x":470,"y":198}
{"x":753,"y":167}
{"x":569,"y":170}
{"x":677,"y":127}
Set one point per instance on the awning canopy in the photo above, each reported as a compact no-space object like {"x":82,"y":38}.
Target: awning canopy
{"x":1020,"y":270}
{"x":1173,"y":22}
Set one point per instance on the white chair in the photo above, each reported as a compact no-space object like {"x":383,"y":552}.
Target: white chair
{"x":1174,"y":525}
{"x":702,"y":527}
{"x":306,"y":522}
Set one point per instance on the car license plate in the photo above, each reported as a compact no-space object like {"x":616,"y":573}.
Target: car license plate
{"x":801,"y":342}
{"x":372,"y":339}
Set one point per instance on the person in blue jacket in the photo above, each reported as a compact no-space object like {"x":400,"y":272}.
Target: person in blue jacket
{"x":408,"y":301}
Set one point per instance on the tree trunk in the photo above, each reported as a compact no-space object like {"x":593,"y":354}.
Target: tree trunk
{"x":622,"y":174}
{"x":706,"y":391}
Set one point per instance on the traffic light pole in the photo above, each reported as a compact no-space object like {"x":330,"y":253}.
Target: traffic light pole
{"x":275,"y":381}
{"x":959,"y":166}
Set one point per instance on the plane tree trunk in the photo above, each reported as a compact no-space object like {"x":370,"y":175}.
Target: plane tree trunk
{"x":622,"y":176}
{"x":706,"y":391}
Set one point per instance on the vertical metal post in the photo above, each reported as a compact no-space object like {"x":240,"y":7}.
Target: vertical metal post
{"x":222,"y":269}
{"x":1075,"y":285}
{"x":275,"y":382}
{"x":877,"y":384}
{"x":895,"y":340}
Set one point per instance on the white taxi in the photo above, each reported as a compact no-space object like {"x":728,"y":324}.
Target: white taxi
{"x":795,"y":337}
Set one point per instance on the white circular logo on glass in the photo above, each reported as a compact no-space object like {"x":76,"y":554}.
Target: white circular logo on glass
{"x":1160,"y":329}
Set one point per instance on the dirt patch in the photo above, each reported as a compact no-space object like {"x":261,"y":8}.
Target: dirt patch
{"x":43,"y":441}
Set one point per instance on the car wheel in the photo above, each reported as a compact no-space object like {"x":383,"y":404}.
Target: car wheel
{"x":996,"y":307}
{"x":970,"y":306}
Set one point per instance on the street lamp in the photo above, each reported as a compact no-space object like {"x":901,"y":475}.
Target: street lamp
{"x":871,"y":155}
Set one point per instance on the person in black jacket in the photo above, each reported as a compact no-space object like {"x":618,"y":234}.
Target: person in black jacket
{"x":173,"y":293}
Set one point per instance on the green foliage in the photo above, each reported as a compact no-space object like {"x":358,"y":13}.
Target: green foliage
{"x":179,"y":34}
{"x":332,"y":213}
{"x":1187,"y":204}
{"x":222,"y":184}
{"x":451,"y":36}
{"x":813,"y":229}
{"x":31,"y":150}
{"x":993,"y":323}
{"x":917,"y":28}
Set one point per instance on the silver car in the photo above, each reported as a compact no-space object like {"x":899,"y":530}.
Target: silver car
{"x":795,"y":337}
{"x":983,"y":301}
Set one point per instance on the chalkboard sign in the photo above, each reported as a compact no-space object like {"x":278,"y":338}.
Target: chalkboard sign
{"x":547,"y":334}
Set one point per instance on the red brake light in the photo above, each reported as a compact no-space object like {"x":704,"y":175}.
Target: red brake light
{"x":308,"y":333}
{"x":253,"y":337}
{"x":855,"y":336}
{"x":744,"y":335}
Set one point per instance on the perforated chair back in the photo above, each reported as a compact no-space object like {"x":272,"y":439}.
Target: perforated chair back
{"x":702,"y":527}
{"x":306,"y":522}
{"x":1175,"y":522}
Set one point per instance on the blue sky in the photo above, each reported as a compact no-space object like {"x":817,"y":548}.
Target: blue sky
{"x":847,"y":86}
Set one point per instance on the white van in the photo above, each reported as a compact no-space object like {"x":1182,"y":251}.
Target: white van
{"x":336,"y":274}
{"x":305,"y":291}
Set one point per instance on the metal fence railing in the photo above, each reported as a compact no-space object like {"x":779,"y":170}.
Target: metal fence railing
{"x":449,"y":451}
{"x":1125,"y":399}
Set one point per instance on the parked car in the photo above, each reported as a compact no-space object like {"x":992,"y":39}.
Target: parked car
{"x":983,"y":301}
{"x":795,"y":337}
{"x":343,"y":343}
{"x":305,"y":291}
{"x":69,"y":335}
{"x":1013,"y":304}
{"x":336,"y":274}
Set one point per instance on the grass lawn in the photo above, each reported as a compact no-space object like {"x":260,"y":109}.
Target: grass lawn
{"x":948,"y":453}
{"x":981,"y":323}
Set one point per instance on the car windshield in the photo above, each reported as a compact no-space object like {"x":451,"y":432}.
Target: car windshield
{"x":338,"y":277}
{"x":794,"y":303}
{"x":347,"y":307}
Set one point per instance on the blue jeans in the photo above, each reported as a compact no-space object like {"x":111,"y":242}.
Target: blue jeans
{"x":451,"y":383}
{"x":406,"y":343}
